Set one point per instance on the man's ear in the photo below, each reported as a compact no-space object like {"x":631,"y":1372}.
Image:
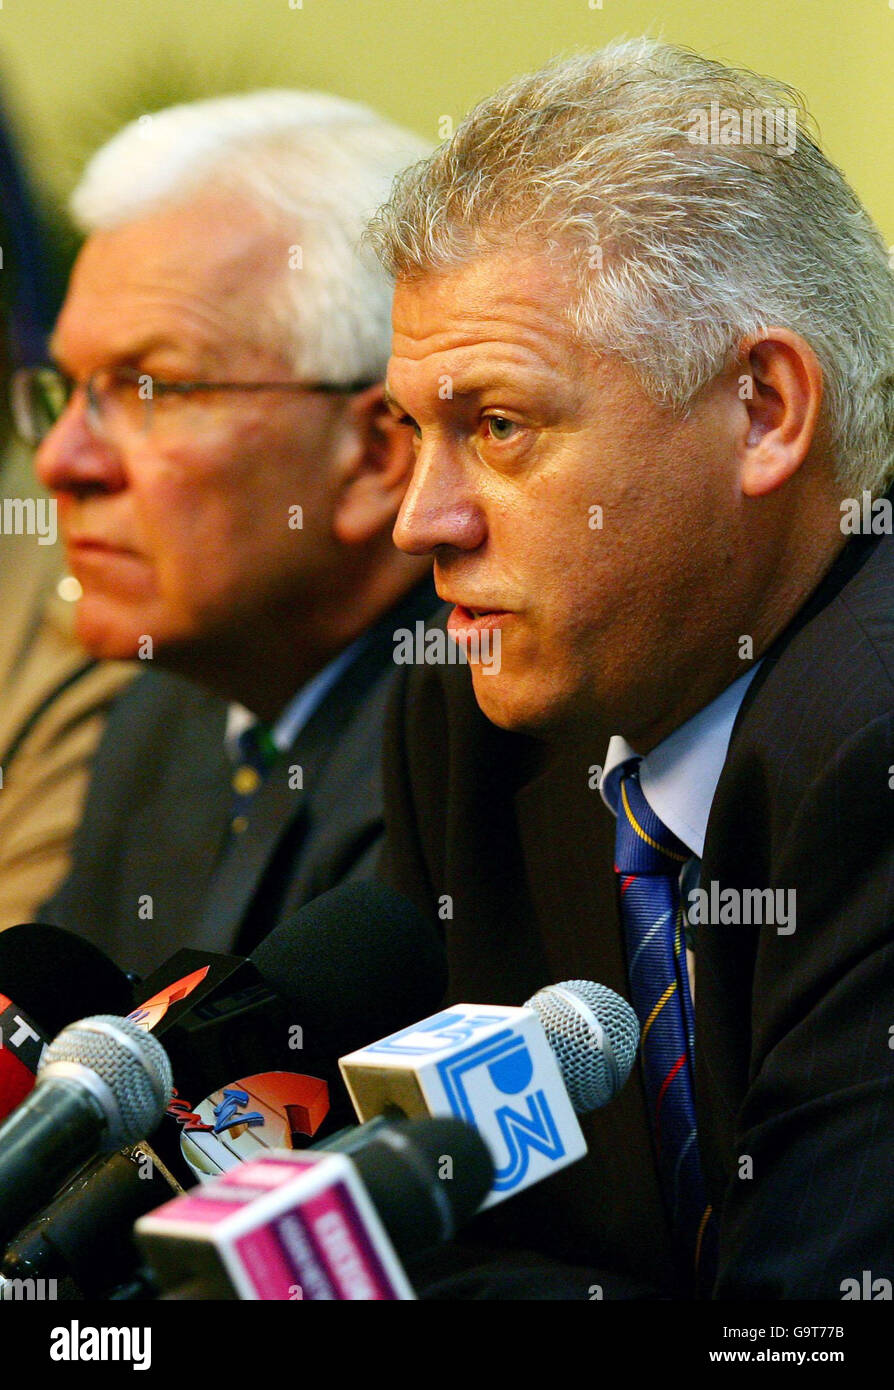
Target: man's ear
{"x":373,"y":470}
{"x":781,"y":388}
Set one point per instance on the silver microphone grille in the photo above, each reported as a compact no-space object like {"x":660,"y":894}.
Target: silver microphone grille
{"x":126,"y":1070}
{"x":594,"y":1034}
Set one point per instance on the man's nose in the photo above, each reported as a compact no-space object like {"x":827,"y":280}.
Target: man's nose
{"x":75,"y":458}
{"x":439,"y":507}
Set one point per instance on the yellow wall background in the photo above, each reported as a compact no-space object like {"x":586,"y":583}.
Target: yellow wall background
{"x":419,"y":60}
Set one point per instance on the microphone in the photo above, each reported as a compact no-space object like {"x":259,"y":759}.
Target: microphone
{"x":321,"y":1226}
{"x":321,"y":983}
{"x":352,"y":945}
{"x":357,"y":957}
{"x":337,"y":971}
{"x":48,"y":978}
{"x":519,"y":1075}
{"x":84,"y":1235}
{"x":594,"y":1036}
{"x":570,"y":1048}
{"x":103,"y":1083}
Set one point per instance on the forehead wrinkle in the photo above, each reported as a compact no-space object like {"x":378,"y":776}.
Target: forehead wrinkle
{"x":192,"y":330}
{"x":514,"y":368}
{"x":476,"y":364}
{"x":91,"y":344}
{"x":200,"y":280}
{"x":535,"y":345}
{"x":497,"y":299}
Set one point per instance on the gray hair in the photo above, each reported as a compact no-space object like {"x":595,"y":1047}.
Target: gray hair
{"x":316,"y":166}
{"x":678,"y":246}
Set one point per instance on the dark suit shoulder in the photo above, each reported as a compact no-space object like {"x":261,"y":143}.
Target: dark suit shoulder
{"x":157,"y":695}
{"x":794,"y":1060}
{"x":826,"y":682}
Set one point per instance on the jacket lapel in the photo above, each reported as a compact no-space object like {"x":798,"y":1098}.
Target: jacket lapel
{"x":281,"y":803}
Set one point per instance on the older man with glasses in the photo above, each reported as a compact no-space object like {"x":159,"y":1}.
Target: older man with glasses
{"x":227,"y":474}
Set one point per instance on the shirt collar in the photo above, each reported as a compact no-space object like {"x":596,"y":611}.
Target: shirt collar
{"x":679,"y":777}
{"x":298,"y":711}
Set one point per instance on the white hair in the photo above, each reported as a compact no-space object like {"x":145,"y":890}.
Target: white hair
{"x":677,"y":247}
{"x":316,"y":166}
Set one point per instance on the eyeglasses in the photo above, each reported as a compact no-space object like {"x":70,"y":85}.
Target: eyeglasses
{"x":124,"y":399}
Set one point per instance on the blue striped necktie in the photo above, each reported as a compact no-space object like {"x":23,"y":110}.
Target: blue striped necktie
{"x":648,"y":860}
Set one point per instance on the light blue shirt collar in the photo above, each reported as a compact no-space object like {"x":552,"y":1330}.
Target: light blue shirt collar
{"x":298,"y":711}
{"x":679,"y":777}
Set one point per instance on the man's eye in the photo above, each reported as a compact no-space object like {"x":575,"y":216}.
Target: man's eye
{"x":499,"y":428}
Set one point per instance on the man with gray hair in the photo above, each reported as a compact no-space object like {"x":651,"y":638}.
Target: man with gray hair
{"x":649,"y":363}
{"x":227,"y":477}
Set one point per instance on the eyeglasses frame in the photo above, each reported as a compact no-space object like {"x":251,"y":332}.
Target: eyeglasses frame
{"x":158,"y":385}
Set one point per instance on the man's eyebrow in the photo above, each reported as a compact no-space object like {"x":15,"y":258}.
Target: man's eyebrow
{"x":126,"y":352}
{"x":471,"y":383}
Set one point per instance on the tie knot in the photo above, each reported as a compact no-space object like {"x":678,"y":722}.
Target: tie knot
{"x":256,"y":748}
{"x":643,"y":843}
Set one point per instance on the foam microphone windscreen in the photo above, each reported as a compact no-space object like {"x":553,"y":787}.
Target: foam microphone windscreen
{"x":48,"y":978}
{"x":57,"y":977}
{"x":356,"y":963}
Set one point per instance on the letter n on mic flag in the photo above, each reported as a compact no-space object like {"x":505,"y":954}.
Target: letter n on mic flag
{"x":491,"y":1066}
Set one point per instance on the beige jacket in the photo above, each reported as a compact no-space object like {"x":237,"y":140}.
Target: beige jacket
{"x":53,"y":705}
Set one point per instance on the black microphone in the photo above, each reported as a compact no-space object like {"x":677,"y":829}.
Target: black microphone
{"x":322,"y":1226}
{"x":48,"y":978}
{"x":403,"y":1170}
{"x":83,"y":1236}
{"x":353,"y":958}
{"x":103,"y":1083}
{"x":357,"y":962}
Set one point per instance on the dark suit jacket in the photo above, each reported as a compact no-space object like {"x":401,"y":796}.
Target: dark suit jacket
{"x":793,"y":1042}
{"x":155,"y":832}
